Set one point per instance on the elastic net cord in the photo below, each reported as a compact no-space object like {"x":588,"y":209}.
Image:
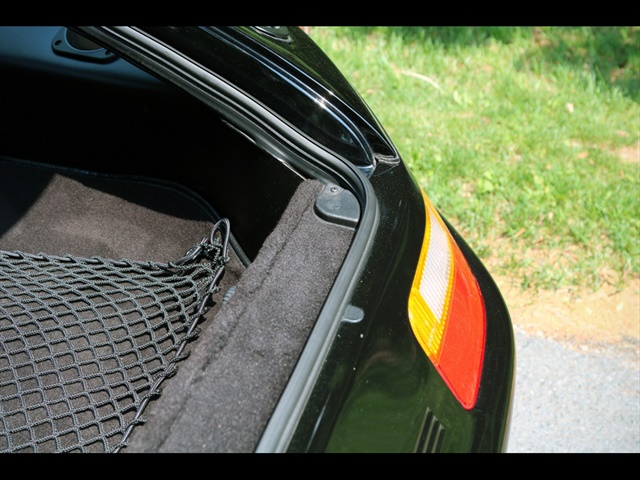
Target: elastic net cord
{"x":86,"y":342}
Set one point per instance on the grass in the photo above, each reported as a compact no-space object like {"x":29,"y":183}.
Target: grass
{"x":526,"y":138}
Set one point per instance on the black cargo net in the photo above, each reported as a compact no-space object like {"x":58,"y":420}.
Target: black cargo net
{"x":86,"y":343}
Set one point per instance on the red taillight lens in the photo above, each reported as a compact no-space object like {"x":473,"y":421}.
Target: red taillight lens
{"x":446,"y":310}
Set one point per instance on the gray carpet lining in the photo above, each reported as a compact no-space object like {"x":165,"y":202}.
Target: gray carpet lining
{"x":223,"y":394}
{"x":252,"y":347}
{"x":61,"y":212}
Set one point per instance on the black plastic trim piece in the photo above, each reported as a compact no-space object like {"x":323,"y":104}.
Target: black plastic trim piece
{"x":337,"y":205}
{"x":62,"y":44}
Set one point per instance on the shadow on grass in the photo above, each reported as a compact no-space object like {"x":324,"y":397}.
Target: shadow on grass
{"x":444,"y":36}
{"x":612,"y":54}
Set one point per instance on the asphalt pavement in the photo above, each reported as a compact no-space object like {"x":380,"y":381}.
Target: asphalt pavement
{"x":570,"y":400}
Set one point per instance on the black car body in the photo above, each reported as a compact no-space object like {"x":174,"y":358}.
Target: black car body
{"x":131,"y":143}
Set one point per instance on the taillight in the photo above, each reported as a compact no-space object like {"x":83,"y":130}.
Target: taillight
{"x":446,"y":310}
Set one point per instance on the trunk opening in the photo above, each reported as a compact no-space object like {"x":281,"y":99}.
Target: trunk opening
{"x":126,"y":172}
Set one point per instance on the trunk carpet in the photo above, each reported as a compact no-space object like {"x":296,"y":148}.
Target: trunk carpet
{"x":222,"y":394}
{"x":249,"y":352}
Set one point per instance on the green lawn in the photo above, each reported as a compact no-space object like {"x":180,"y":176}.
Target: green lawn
{"x":525,"y":138}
